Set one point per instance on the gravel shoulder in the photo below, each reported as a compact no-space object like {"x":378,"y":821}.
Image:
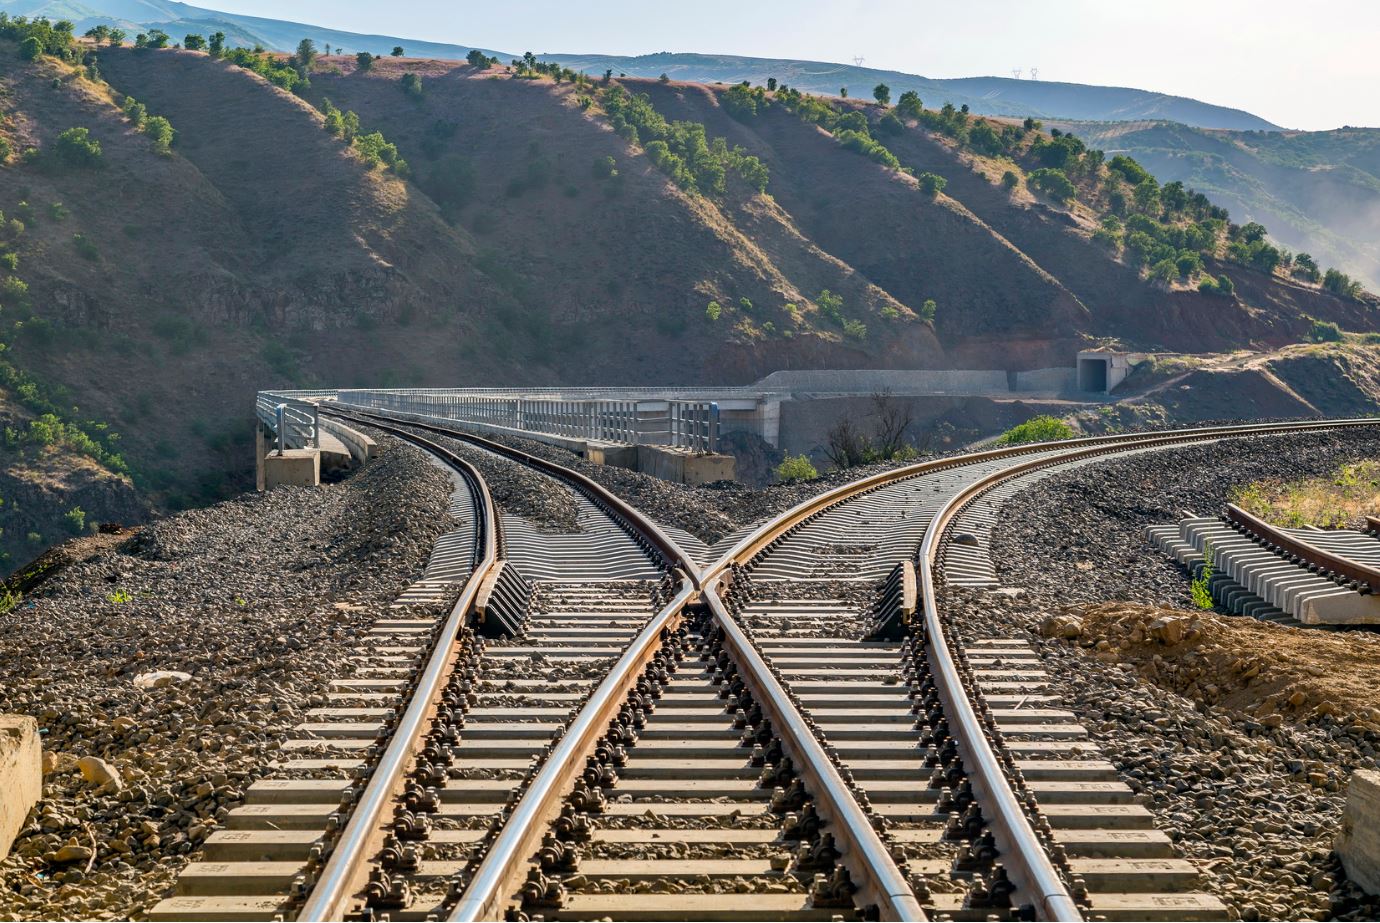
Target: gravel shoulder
{"x":251,"y":605}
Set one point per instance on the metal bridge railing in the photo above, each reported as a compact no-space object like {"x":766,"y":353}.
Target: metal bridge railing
{"x":294,"y":422}
{"x":692,"y":425}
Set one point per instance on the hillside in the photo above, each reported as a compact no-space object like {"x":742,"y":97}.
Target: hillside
{"x":984,"y":95}
{"x":1318,"y":192}
{"x":481,"y":225}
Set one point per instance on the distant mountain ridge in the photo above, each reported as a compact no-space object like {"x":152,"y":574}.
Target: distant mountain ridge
{"x":1001,"y":96}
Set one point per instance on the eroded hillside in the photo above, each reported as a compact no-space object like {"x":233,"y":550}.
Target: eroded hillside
{"x":527,"y":233}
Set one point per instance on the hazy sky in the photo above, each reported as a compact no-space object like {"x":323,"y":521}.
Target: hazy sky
{"x":1299,"y":65}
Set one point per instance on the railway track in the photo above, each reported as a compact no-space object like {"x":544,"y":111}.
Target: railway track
{"x":653,"y":740}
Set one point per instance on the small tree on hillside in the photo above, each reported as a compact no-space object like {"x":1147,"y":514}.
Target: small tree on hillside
{"x":843,"y":91}
{"x":306,"y":54}
{"x":931,"y":184}
{"x":30,"y":49}
{"x":882,"y":94}
{"x":364,"y":61}
{"x":217,"y":43}
{"x":116,"y":37}
{"x":397,"y":51}
{"x":909,"y":105}
{"x":158,"y":38}
{"x":193,"y":42}
{"x":771,"y":84}
{"x":160,"y":130}
{"x":76,"y":148}
{"x":412,"y":85}
{"x":477,"y":58}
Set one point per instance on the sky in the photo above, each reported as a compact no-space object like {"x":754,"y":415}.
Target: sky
{"x":1298,"y":65}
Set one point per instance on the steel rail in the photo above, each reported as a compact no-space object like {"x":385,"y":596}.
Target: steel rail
{"x":1010,"y":826}
{"x":1327,"y":563}
{"x":503,"y":867}
{"x":753,"y":544}
{"x":881,"y":882}
{"x":633,"y":519}
{"x":870,"y":864}
{"x":1032,"y":869}
{"x":345,"y":872}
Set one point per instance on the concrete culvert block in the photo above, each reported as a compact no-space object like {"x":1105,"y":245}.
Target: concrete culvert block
{"x":1358,"y":844}
{"x":21,"y":775}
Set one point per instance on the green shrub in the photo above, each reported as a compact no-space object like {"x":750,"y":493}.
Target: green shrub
{"x":1220,"y":286}
{"x":85,"y":247}
{"x":713,"y":310}
{"x":931,"y":184}
{"x":605,"y":167}
{"x":855,"y":330}
{"x":1054,"y":183}
{"x":795,"y":468}
{"x":135,"y":111}
{"x":76,"y":148}
{"x":161,"y":132}
{"x":862,"y":143}
{"x":364,"y":61}
{"x":1325,"y":332}
{"x":1010,"y":180}
{"x":1043,"y":428}
{"x":928,"y":310}
{"x":412,"y":85}
{"x":830,"y":305}
{"x":1200,"y":587}
{"x":75,"y":518}
{"x":30,"y":48}
{"x":375,"y":150}
{"x":1339,"y":283}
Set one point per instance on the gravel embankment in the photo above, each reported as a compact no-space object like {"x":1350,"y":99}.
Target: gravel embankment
{"x":1250,"y":789}
{"x":253,"y":604}
{"x":708,"y":512}
{"x":516,"y":489}
{"x":1080,"y":536}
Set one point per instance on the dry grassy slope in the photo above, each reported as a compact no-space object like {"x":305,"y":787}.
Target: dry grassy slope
{"x":1269,"y":312}
{"x":873,"y":219}
{"x":603,"y":259}
{"x":163,"y":333}
{"x":328,"y":238}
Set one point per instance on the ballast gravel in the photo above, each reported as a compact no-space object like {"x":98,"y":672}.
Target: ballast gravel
{"x":246,"y":608}
{"x":1256,"y":802}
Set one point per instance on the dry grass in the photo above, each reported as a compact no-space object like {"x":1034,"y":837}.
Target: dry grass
{"x":1338,"y":501}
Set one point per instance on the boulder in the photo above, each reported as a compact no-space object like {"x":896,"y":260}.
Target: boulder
{"x":1358,"y":845}
{"x":160,"y":679}
{"x":94,"y":769}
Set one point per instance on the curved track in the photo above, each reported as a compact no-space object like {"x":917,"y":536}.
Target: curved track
{"x":994,"y":793}
{"x":661,"y":741}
